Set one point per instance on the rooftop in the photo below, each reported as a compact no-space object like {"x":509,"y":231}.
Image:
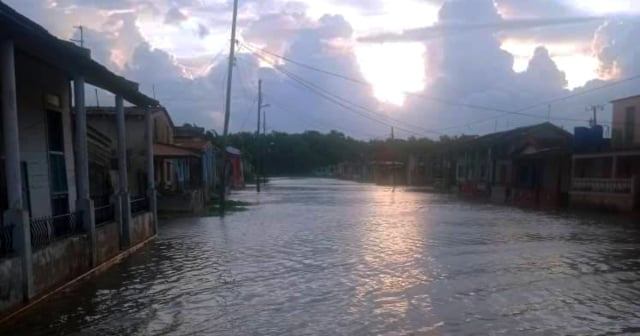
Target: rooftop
{"x":36,"y":41}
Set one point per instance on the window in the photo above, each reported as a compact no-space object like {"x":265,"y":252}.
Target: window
{"x":629,"y":125}
{"x":55,"y":132}
{"x":155,"y":130}
{"x":57,"y":164}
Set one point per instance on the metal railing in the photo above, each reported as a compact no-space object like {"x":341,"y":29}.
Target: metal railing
{"x":104,"y":214}
{"x":610,"y":186}
{"x":6,"y":240}
{"x":45,"y":230}
{"x":139,"y":205}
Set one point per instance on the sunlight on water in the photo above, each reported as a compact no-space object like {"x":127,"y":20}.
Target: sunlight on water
{"x":325,"y":257}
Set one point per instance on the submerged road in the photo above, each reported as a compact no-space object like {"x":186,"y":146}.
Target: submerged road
{"x":326,"y":257}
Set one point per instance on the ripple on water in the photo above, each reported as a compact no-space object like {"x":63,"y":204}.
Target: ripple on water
{"x":324,"y":257}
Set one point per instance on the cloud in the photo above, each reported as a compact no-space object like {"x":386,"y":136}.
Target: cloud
{"x":465,"y":64}
{"x":438,"y":31}
{"x":175,"y":16}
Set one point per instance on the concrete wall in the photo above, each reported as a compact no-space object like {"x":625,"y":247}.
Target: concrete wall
{"x":142,"y":227}
{"x":107,"y":241}
{"x":602,"y":201}
{"x":619,"y":120}
{"x":10,"y":284}
{"x":60,"y":262}
{"x":34,"y":82}
{"x":189,"y":201}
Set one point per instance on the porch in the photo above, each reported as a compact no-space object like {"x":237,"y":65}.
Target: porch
{"x":50,"y":231}
{"x":606,"y":180}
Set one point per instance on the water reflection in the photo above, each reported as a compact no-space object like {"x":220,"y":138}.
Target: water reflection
{"x":324,"y":257}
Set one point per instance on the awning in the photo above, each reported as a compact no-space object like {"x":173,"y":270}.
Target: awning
{"x":171,"y":151}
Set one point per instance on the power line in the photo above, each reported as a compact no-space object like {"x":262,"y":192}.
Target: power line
{"x":337,"y":100}
{"x":448,"y":102}
{"x":327,"y":124}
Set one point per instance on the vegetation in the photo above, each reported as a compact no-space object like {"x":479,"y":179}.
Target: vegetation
{"x":213,"y":208}
{"x":299,"y":154}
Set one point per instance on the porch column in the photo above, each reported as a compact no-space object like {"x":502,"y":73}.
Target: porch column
{"x":16,"y":214}
{"x":151,"y":180}
{"x":123,"y":183}
{"x":84,"y":202}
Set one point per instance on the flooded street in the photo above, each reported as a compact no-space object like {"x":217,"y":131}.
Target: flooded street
{"x":326,"y":257}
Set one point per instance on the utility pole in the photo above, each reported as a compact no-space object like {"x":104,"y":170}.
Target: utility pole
{"x":393,"y":161}
{"x":81,"y":40}
{"x":264,"y":144}
{"x":227,"y":109}
{"x":595,"y":109}
{"x":97,"y":99}
{"x":549,"y":113}
{"x":259,"y":138}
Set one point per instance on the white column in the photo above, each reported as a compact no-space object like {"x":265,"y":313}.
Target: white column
{"x":82,"y":155}
{"x":151,"y":183}
{"x":123,"y":183}
{"x":84,"y":202}
{"x":15,"y":215}
{"x":10,"y":121}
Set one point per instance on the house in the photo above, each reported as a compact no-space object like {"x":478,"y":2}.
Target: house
{"x":195,"y":139}
{"x":416,"y":170}
{"x":235,"y":168}
{"x":606,"y":175}
{"x":527,"y":166}
{"x":48,"y":231}
{"x":103,"y":120}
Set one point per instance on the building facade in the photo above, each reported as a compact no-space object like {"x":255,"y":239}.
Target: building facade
{"x":48,"y":229}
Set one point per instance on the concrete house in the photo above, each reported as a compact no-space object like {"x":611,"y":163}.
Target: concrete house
{"x":607,"y":175}
{"x":195,"y":139}
{"x":48,"y":231}
{"x":103,"y":120}
{"x":527,"y":166}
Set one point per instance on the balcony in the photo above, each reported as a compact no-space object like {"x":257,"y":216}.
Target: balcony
{"x":604,"y":186}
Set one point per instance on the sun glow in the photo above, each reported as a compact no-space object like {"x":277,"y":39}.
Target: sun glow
{"x":393,"y":69}
{"x":578,"y":65}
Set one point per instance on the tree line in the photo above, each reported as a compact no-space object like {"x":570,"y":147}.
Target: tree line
{"x":299,"y":154}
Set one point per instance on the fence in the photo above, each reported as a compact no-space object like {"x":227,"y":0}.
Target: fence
{"x":611,"y":186}
{"x":6,"y":239}
{"x":104,"y":214}
{"x":139,"y":205}
{"x":45,"y":230}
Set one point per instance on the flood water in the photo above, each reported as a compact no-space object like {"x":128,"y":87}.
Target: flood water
{"x":326,"y":257}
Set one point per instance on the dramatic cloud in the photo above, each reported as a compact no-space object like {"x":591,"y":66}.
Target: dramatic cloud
{"x":175,"y":16}
{"x":179,"y":47}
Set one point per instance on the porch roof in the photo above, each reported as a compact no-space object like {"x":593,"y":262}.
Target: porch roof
{"x":172,"y":151}
{"x":33,"y":39}
{"x":610,"y":153}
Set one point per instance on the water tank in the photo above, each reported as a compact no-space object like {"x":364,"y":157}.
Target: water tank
{"x":582,"y":137}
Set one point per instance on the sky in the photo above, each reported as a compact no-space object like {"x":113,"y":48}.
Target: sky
{"x":424,"y":67}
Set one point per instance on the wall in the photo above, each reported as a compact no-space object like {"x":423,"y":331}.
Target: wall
{"x":619,"y":119}
{"x":602,"y":201}
{"x":34,"y":81}
{"x":142,"y":227}
{"x":10,"y":283}
{"x":107,"y":241}
{"x":60,"y":262}
{"x":134,"y":137}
